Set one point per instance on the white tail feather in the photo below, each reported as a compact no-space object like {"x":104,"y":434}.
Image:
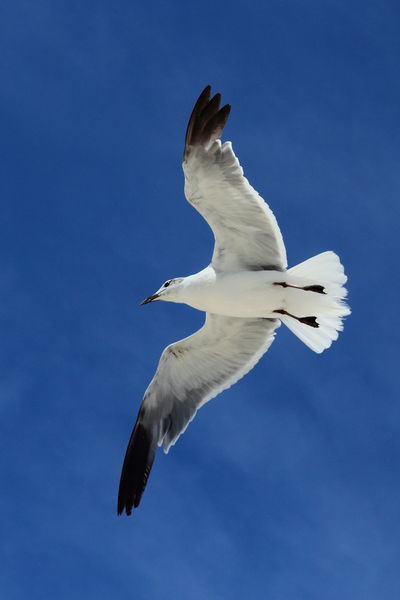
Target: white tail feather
{"x":329,"y":308}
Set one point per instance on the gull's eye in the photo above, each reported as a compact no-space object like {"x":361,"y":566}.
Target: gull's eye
{"x":166,"y":284}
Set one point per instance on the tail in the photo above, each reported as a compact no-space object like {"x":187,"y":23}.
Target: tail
{"x":139,"y":458}
{"x":321,"y":306}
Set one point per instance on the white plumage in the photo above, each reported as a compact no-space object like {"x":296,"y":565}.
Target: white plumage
{"x":245,"y":229}
{"x":246,"y":292}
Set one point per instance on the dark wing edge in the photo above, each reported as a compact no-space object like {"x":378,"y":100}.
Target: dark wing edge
{"x":136,"y":468}
{"x":206,"y":122}
{"x":153,"y":428}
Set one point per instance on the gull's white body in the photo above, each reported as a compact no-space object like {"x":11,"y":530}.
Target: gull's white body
{"x":234,"y":294}
{"x":240,"y":291}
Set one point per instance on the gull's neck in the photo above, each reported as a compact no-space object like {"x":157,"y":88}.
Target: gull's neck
{"x":195,"y":285}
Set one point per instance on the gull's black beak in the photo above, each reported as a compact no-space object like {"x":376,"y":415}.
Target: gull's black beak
{"x":149,"y":299}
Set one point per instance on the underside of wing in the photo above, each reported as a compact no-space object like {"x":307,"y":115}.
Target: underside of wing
{"x":246,"y":232}
{"x":190,"y":373}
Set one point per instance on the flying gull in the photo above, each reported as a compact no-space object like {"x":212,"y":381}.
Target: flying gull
{"x":246,"y":292}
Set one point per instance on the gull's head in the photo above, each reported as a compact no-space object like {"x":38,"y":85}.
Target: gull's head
{"x":169,"y":291}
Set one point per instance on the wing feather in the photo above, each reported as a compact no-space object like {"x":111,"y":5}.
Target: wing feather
{"x":246,"y":232}
{"x":190,"y":373}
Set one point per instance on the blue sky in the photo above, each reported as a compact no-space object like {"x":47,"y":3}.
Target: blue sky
{"x":287,"y":485}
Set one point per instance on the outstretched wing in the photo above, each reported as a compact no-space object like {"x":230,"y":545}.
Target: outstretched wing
{"x":246,"y":233}
{"x":190,"y":372}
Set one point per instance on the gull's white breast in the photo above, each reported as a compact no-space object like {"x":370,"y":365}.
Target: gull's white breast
{"x":240,"y":294}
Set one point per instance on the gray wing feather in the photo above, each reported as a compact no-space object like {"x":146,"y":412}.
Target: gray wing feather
{"x":246,"y":232}
{"x":195,"y":370}
{"x":190,"y":373}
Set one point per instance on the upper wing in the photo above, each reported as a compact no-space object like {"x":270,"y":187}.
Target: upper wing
{"x":190,"y":372}
{"x":246,"y":233}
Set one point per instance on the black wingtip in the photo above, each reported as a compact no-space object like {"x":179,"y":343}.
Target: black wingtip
{"x":138,"y":461}
{"x":207,"y":120}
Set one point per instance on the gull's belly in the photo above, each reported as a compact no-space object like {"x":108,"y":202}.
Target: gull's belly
{"x":245,"y":294}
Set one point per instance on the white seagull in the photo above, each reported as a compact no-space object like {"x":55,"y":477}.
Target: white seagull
{"x":246,"y":292}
